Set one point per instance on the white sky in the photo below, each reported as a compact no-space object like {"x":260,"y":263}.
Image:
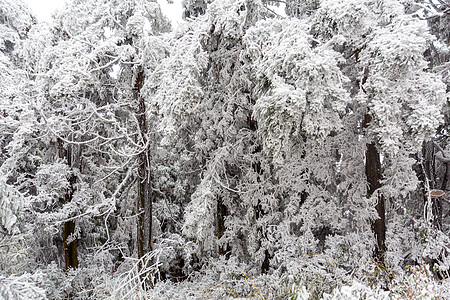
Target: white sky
{"x":44,"y":9}
{"x":173,"y":11}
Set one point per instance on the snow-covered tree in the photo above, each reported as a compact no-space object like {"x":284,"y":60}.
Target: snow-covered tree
{"x":242,"y":154}
{"x":94,"y":74}
{"x":17,"y":121}
{"x":319,"y":91}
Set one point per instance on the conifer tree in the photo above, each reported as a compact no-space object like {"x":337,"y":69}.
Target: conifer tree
{"x":246,"y":153}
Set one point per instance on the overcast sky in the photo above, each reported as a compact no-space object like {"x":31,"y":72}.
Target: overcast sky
{"x":44,"y":9}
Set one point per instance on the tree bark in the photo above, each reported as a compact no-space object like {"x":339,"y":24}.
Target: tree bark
{"x":144,"y":201}
{"x":373,"y":175}
{"x":70,"y":246}
{"x":438,"y":201}
{"x":220,"y":225}
{"x":429,"y":163}
{"x":70,"y":241}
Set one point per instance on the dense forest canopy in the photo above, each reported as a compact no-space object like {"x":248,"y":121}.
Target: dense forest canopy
{"x":243,"y":154}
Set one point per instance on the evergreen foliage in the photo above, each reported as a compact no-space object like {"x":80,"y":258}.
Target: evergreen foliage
{"x":244,"y":154}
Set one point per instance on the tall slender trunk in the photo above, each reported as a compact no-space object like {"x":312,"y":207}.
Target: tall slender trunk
{"x":438,"y":201}
{"x":373,"y":175}
{"x":220,"y":224}
{"x":432,"y":152}
{"x":429,"y":153}
{"x":144,"y":201}
{"x":70,"y":241}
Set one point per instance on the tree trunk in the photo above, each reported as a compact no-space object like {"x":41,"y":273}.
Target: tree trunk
{"x":431,"y":152}
{"x":373,"y":175}
{"x":70,"y":246}
{"x":428,"y":153}
{"x":438,"y":201}
{"x":220,"y":225}
{"x":144,"y":201}
{"x":70,"y":241}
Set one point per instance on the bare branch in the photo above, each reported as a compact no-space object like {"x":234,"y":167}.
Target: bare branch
{"x":441,"y":154}
{"x":439,"y":147}
{"x":106,"y":65}
{"x":442,"y":158}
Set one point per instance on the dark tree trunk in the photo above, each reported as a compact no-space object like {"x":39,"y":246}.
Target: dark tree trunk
{"x":373,"y":175}
{"x":70,"y":247}
{"x":253,"y":125}
{"x":144,"y":201}
{"x":429,"y":163}
{"x":220,"y":224}
{"x":70,"y":241}
{"x":266,"y":262}
{"x":437,"y":204}
{"x":430,"y":180}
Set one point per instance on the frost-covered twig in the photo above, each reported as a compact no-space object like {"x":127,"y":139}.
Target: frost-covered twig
{"x":106,"y":65}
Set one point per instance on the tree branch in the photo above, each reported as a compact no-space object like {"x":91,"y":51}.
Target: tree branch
{"x":441,"y":154}
{"x":106,"y":65}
